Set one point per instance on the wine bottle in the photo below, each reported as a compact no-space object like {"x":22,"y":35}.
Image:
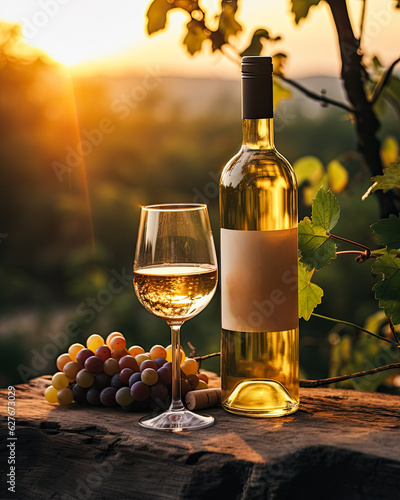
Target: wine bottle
{"x":258,"y":218}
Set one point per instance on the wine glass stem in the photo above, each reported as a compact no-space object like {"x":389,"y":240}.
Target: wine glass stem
{"x":176,"y":403}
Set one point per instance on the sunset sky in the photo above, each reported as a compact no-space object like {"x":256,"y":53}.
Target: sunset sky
{"x":105,"y":35}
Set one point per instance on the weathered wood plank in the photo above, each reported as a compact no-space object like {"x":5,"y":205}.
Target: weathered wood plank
{"x":339,"y":445}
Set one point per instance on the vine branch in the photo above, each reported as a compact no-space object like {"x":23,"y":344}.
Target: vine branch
{"x":383,"y":81}
{"x":323,"y":381}
{"x":314,"y":95}
{"x":367,"y":250}
{"x":342,"y":322}
{"x":393,"y":330}
{"x":340,"y":378}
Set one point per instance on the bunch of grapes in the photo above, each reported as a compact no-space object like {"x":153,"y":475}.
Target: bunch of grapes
{"x":106,"y":373}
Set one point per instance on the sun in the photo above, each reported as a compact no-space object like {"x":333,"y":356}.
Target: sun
{"x":76,"y":32}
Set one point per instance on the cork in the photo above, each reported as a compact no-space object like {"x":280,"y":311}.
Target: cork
{"x":203,"y":398}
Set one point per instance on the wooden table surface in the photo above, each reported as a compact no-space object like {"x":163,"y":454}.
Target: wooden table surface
{"x":339,"y":445}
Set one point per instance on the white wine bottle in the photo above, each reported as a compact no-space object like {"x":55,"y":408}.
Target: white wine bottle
{"x":258,"y":217}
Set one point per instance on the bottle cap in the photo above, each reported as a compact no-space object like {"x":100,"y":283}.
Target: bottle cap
{"x":253,"y":66}
{"x":257,"y":87}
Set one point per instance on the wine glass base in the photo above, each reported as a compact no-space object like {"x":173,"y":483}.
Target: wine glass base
{"x":176,"y":421}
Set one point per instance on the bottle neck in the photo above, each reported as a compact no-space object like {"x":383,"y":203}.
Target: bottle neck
{"x":258,"y":133}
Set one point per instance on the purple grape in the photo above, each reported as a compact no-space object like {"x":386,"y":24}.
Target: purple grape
{"x":160,"y":362}
{"x":158,"y":391}
{"x":185,"y":387}
{"x":140,"y":391}
{"x":126,"y":374}
{"x":164,"y":376}
{"x":116,"y":381}
{"x":79,"y":394}
{"x":134,"y":378}
{"x":148,"y":364}
{"x":94,"y":364}
{"x":102,"y":380}
{"x":128,"y":361}
{"x":82,"y":356}
{"x":107,"y":396}
{"x":168,"y":365}
{"x":93,"y":396}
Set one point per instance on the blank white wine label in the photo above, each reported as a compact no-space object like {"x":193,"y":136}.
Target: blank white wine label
{"x":259,"y":280}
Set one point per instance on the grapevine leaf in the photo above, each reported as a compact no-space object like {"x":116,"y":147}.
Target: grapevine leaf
{"x":308,"y":168}
{"x":316,"y":247}
{"x":300,"y":8}
{"x":311,"y":191}
{"x":227,"y":23}
{"x":157,"y":15}
{"x":280,"y":92}
{"x":255,"y":47}
{"x":387,"y":290}
{"x":157,"y":12}
{"x":310,"y":294}
{"x":278,"y":60}
{"x":325,"y":210}
{"x":195,"y":36}
{"x":389,"y":151}
{"x":388,"y":232}
{"x":338,"y":176}
{"x":390,"y":178}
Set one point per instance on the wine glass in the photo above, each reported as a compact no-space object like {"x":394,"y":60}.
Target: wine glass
{"x":175,"y":276}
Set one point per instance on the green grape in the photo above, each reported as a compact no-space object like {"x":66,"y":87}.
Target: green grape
{"x":65,"y":396}
{"x":51,"y":394}
{"x":149,"y":376}
{"x":111,"y":366}
{"x":71,"y":370}
{"x":123,"y":396}
{"x":141,"y":357}
{"x":85,"y":379}
{"x":60,"y":381}
{"x":95,"y":341}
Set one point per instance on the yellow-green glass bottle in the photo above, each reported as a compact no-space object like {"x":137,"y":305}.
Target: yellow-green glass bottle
{"x":258,"y":219}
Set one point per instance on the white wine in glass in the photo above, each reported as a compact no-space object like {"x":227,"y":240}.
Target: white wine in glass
{"x":175,"y":276}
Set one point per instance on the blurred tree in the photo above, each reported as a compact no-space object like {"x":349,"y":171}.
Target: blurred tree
{"x":364,"y":86}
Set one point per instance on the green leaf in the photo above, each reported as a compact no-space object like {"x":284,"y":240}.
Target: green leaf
{"x":316,"y":248}
{"x":157,"y":15}
{"x":300,"y":8}
{"x":195,"y":36}
{"x":388,"y":289}
{"x":279,"y":92}
{"x":389,"y":180}
{"x":227,"y":23}
{"x":389,"y":151}
{"x":157,"y":12}
{"x":255,"y":47}
{"x":310,"y":294}
{"x":325,"y":210}
{"x":388,"y":232}
{"x":338,"y":176}
{"x":308,"y":168}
